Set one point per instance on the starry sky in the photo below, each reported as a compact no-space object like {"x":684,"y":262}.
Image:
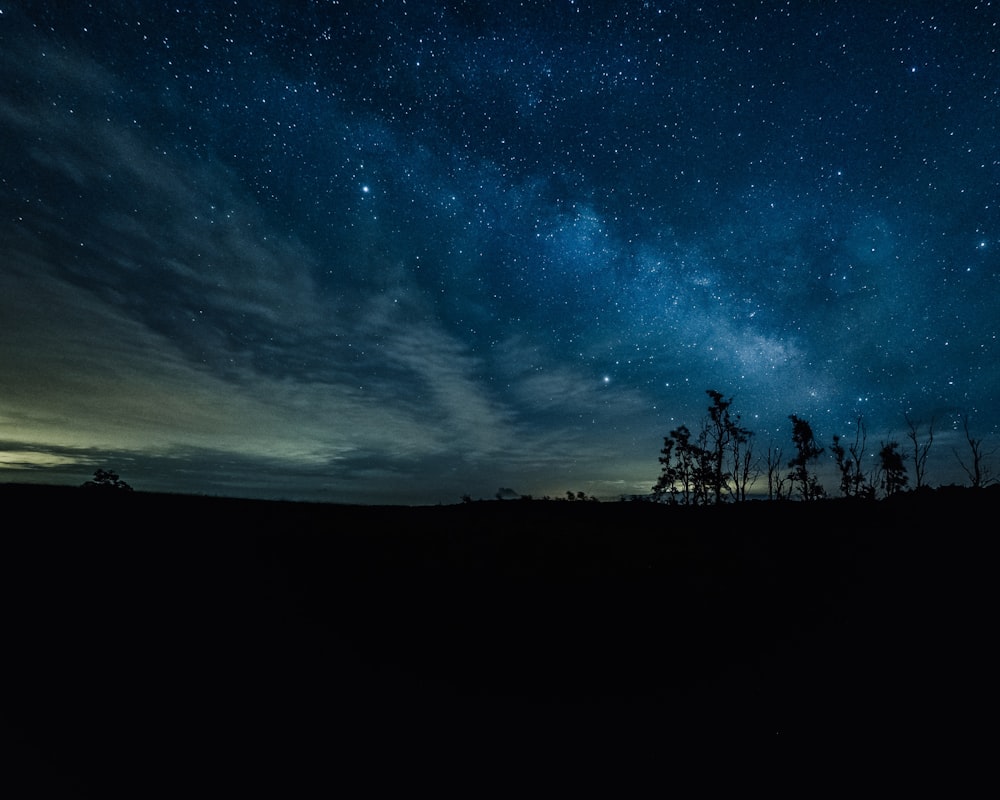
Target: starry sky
{"x":400,"y":252}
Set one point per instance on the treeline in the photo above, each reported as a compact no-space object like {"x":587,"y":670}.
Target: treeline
{"x":718,"y":462}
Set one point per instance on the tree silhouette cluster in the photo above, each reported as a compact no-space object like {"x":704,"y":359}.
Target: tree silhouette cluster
{"x":107,"y":479}
{"x":710,"y":466}
{"x":716,"y":463}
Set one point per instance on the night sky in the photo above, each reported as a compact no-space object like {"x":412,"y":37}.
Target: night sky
{"x":399,"y":252}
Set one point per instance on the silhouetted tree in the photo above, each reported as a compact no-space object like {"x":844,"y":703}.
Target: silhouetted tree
{"x":725,"y":439}
{"x":707,"y":468}
{"x":920,"y":449}
{"x":980,"y":474}
{"x":667,"y":483}
{"x":892,"y":470}
{"x":775,"y":466}
{"x":107,"y":479}
{"x":684,"y":476}
{"x":850,"y":464}
{"x":807,"y":450}
{"x":746,"y":466}
{"x":717,"y":433}
{"x":845,"y":466}
{"x":580,"y":496}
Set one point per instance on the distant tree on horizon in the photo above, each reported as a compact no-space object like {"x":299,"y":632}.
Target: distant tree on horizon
{"x":580,"y":496}
{"x":107,"y":479}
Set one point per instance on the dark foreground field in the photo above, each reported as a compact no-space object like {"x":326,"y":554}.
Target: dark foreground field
{"x":156,"y":638}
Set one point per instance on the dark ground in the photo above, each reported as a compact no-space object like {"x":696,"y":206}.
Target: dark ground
{"x":152,"y":638}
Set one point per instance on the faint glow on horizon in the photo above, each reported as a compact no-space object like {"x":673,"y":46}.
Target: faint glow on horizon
{"x":22,"y":459}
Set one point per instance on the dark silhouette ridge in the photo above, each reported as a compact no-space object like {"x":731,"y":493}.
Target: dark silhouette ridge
{"x":276,"y":630}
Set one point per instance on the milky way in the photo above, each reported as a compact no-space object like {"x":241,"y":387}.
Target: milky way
{"x":403,"y":252}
